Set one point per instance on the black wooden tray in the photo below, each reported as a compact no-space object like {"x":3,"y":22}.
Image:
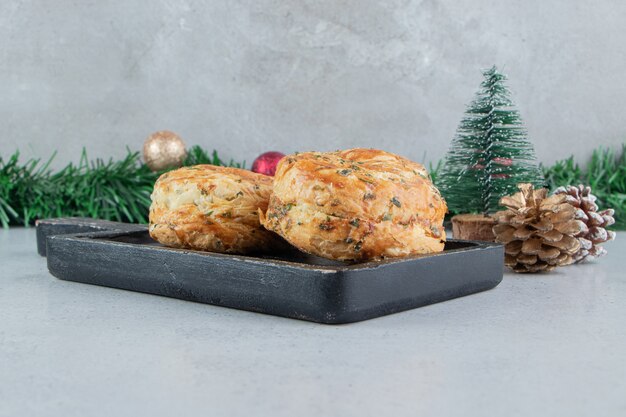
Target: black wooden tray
{"x":293,"y":285}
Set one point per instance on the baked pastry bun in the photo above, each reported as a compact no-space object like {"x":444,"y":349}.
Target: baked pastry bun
{"x":356,"y":205}
{"x":212,"y":208}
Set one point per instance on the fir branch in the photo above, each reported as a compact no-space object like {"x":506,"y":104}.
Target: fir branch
{"x":605,"y":174}
{"x":113,"y":190}
{"x":435,"y":171}
{"x":197,"y":156}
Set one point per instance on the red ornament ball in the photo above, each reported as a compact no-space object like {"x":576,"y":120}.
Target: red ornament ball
{"x":266,"y":163}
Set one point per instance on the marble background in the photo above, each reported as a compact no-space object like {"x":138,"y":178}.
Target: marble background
{"x":250,"y":76}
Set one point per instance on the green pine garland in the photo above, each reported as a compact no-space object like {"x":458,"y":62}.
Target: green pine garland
{"x":121,"y":190}
{"x":605,"y":174}
{"x":490,"y":153}
{"x":113,"y":190}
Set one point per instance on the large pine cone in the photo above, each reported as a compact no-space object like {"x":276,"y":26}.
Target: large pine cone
{"x":596,"y":233}
{"x":538,"y":232}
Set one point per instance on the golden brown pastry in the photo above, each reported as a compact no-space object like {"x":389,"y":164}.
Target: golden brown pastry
{"x":357,"y":204}
{"x":206,"y":207}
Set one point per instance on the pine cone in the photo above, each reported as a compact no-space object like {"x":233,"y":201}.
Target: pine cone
{"x":597,"y":222}
{"x":538,"y":232}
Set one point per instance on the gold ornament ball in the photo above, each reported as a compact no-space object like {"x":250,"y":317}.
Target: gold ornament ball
{"x":163,"y":150}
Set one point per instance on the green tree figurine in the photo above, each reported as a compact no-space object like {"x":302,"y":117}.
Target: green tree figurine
{"x":490,"y":153}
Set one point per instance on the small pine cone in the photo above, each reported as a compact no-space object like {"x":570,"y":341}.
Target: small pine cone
{"x":596,"y":221}
{"x":537,"y":231}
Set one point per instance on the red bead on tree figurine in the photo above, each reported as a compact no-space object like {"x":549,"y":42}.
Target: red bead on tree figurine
{"x":266,"y":163}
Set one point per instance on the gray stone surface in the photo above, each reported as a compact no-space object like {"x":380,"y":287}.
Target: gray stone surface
{"x":537,"y":345}
{"x":250,"y":76}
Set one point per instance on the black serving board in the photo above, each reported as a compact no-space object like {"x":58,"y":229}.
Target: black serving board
{"x":293,"y":284}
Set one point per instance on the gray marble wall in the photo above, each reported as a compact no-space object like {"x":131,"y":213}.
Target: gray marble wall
{"x":249,"y":76}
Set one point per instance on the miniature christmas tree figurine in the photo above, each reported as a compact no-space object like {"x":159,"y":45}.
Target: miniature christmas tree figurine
{"x":489,"y":155}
